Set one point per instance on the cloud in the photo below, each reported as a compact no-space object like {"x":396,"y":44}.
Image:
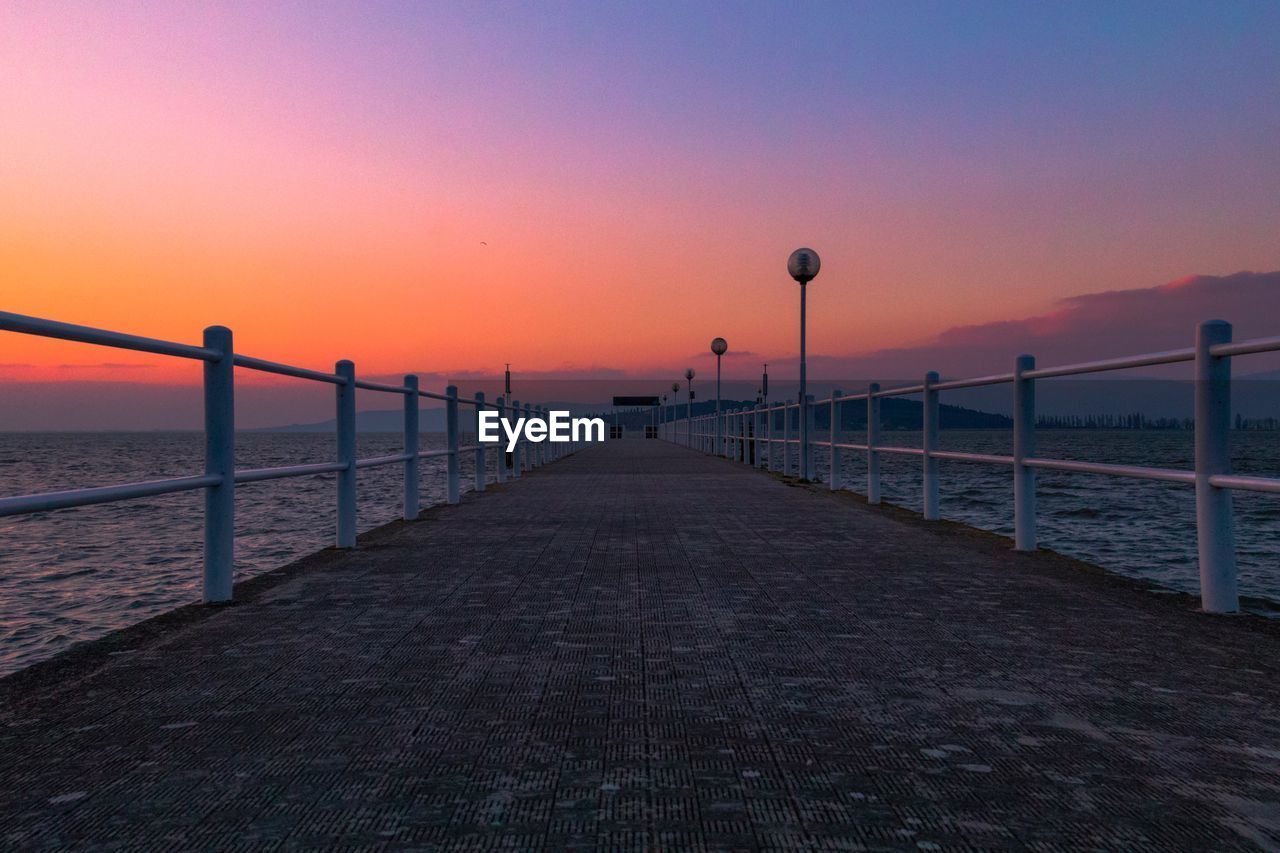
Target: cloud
{"x":1085,"y":327}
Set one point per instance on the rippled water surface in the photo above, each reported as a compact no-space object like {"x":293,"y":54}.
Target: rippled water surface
{"x":74,"y":574}
{"x":78,"y":573}
{"x":1136,"y":527}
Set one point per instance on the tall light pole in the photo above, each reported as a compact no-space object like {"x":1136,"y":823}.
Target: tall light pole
{"x":719,"y":346}
{"x":803,"y":265}
{"x":688,"y":409}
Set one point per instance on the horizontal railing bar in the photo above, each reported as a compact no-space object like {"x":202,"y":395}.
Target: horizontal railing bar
{"x":851,"y":446}
{"x":1137,"y":472}
{"x":976,"y":382}
{"x":434,"y":396}
{"x":1246,"y":347}
{"x":988,"y":458}
{"x":375,"y":461}
{"x":905,"y":451}
{"x":850,"y":397}
{"x":1169,"y":357}
{"x":25,"y":325}
{"x":467,"y":447}
{"x":378,"y":386}
{"x":257,"y":475}
{"x":900,"y":391}
{"x":1251,"y":484}
{"x":432,"y":454}
{"x":261,"y":364}
{"x":23,"y":504}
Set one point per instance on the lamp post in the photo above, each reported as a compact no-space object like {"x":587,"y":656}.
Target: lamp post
{"x":803,"y":265}
{"x":675,"y":402}
{"x":688,"y":409}
{"x":719,"y":346}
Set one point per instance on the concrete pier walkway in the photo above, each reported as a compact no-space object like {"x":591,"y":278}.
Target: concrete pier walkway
{"x":642,"y":647}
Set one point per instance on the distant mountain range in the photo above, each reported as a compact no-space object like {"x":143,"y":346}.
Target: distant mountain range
{"x":896,"y":414}
{"x":429,"y":420}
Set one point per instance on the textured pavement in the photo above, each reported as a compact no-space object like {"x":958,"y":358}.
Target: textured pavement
{"x":639,"y":647}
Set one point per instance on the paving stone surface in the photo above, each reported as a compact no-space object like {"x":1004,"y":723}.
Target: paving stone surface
{"x":639,"y":647}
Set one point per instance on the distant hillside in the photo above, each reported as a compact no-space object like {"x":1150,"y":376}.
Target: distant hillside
{"x":895,"y":414}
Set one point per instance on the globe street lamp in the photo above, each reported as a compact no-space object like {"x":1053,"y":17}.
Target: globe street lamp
{"x":803,"y":265}
{"x":719,"y":346}
{"x":688,"y":408}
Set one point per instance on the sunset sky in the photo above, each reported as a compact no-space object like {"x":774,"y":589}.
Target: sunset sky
{"x":591,"y":187}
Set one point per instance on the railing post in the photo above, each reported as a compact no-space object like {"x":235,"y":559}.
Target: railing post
{"x":452,"y":466}
{"x":835,"y":437}
{"x":411,"y":507}
{"x":533,"y":447}
{"x":346,"y":420}
{"x":219,"y":460}
{"x":930,"y":443}
{"x":546,"y":444}
{"x":526,"y":449}
{"x":1024,"y":447}
{"x":499,"y":452}
{"x":807,"y":446}
{"x":873,"y":438}
{"x":482,"y":475}
{"x":757,"y":434}
{"x":786,"y":439}
{"x":1215,"y":533}
{"x":769,"y":418}
{"x":742,"y":437}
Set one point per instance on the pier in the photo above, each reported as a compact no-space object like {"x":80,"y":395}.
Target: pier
{"x":641,"y":646}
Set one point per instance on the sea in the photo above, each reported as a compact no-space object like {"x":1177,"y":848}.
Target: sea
{"x":75,"y":574}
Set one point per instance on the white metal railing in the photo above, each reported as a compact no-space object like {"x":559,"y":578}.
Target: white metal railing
{"x":748,"y":432}
{"x":220,"y":476}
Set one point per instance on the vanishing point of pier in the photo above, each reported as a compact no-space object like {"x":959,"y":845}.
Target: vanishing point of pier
{"x":641,"y":646}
